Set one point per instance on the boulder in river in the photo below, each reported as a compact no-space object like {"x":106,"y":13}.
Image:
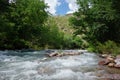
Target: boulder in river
{"x":104,"y":62}
{"x":117,"y":61}
{"x":110,"y":61}
{"x":59,"y":54}
{"x":53,"y":54}
{"x":117,"y":66}
{"x":103,"y":55}
{"x":111,"y":64}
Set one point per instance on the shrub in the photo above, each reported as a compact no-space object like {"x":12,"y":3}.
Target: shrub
{"x":108,"y":47}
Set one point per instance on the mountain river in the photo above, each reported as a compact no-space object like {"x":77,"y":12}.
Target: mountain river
{"x":35,"y":65}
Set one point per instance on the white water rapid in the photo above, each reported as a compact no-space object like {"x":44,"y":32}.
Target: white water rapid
{"x":36,"y":66}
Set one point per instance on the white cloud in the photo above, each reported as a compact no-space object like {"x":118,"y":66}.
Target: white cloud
{"x":72,"y":6}
{"x":53,"y":4}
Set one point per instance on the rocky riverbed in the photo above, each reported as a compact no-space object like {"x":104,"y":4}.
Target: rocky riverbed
{"x":110,"y":61}
{"x":112,"y":65}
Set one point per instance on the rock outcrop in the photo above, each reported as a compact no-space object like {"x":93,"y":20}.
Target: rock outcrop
{"x":110,"y":61}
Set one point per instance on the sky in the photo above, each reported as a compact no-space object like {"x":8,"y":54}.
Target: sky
{"x":61,"y":7}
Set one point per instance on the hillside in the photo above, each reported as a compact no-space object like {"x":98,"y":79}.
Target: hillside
{"x":63,"y":24}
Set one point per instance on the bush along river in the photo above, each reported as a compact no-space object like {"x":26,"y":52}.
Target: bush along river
{"x":36,"y":65}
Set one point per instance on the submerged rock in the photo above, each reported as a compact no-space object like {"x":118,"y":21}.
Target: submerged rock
{"x":44,"y":58}
{"x":45,"y":70}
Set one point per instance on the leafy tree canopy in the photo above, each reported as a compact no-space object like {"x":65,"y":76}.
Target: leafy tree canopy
{"x":99,"y":20}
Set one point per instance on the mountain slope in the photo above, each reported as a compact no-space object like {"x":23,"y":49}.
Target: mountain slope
{"x":63,"y":24}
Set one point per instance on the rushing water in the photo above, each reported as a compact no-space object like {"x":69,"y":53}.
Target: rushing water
{"x":36,"y":66}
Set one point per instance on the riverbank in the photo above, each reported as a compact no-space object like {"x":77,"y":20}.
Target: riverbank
{"x":110,"y":61}
{"x":111,"y":65}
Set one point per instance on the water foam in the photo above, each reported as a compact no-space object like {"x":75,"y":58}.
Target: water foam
{"x":80,"y":67}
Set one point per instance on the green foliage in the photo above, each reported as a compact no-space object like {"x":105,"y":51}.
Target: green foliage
{"x":77,"y":42}
{"x":53,"y":38}
{"x":71,"y":42}
{"x":25,"y":24}
{"x":67,"y":44}
{"x":98,"y":20}
{"x":4,"y":5}
{"x":61,"y":33}
{"x":109,"y":47}
{"x":21,"y":22}
{"x":91,"y":49}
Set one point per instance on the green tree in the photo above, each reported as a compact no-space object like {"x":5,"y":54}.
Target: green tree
{"x":5,"y":24}
{"x":21,"y":23}
{"x":54,"y":37}
{"x":98,"y":20}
